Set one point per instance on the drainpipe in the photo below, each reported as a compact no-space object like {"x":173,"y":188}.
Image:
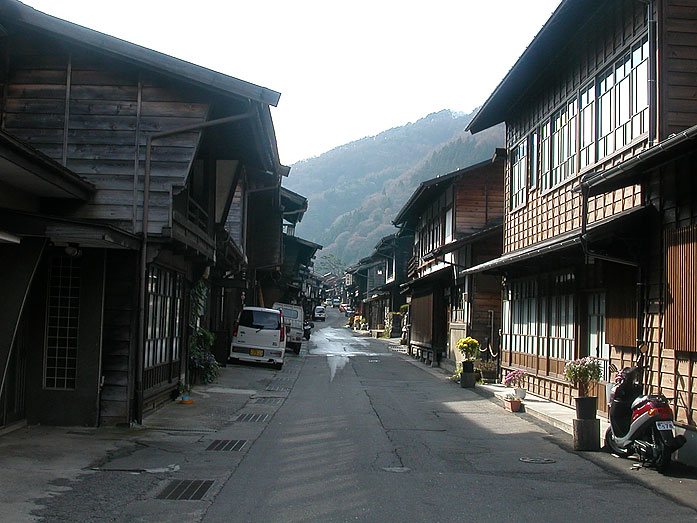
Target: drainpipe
{"x":144,"y":242}
{"x":653,"y":73}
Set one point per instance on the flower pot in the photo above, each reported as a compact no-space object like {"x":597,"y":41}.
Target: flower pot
{"x":586,"y":407}
{"x":512,"y":405}
{"x":520,"y":393}
{"x":467,"y":366}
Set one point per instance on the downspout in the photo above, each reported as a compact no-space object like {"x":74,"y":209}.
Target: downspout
{"x":653,"y":73}
{"x":144,"y":242}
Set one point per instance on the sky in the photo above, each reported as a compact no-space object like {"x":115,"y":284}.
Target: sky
{"x":345,"y":69}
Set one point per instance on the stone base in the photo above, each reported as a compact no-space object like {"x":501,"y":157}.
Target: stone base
{"x":586,"y":434}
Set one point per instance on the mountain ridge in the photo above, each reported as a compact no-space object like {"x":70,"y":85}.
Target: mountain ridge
{"x":356,"y":189}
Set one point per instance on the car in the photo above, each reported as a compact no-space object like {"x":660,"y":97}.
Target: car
{"x":319,"y":314}
{"x":293,"y":316}
{"x":259,"y":335}
{"x":336,"y":302}
{"x":349,"y":312}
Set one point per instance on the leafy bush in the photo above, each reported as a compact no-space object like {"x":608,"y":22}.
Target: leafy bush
{"x":202,"y":363}
{"x":583,"y":373}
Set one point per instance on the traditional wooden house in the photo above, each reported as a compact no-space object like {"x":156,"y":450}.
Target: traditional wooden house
{"x":600,"y":91}
{"x":298,"y":253}
{"x":120,"y":167}
{"x":456,"y":221}
{"x":385,"y":300}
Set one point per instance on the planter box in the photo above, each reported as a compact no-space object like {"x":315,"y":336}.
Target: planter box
{"x":512,"y":405}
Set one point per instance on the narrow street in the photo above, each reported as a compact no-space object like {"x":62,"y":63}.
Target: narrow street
{"x":348,"y":430}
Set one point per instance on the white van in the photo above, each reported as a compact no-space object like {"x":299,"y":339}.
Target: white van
{"x":320,"y":313}
{"x":293,"y":317}
{"x":259,"y":335}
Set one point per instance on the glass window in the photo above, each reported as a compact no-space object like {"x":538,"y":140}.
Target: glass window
{"x":260,"y":319}
{"x":623,"y":100}
{"x":587,"y":116}
{"x":519,"y":170}
{"x":449,"y":224}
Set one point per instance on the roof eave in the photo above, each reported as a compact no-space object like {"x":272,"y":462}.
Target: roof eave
{"x":155,"y":60}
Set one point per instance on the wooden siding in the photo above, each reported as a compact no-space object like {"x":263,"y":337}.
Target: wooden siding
{"x":681,"y":289}
{"x":421,"y":314}
{"x":479,"y":199}
{"x":119,"y":337}
{"x":678,"y":66}
{"x":621,"y":317}
{"x":93,"y":114}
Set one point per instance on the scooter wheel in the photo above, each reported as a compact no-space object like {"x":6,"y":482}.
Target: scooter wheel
{"x":663,"y":458}
{"x":611,"y":446}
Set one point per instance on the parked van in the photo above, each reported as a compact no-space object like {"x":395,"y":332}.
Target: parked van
{"x":259,"y":335}
{"x":320,"y":313}
{"x":293,"y":317}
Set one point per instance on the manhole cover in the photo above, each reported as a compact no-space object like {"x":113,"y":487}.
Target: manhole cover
{"x":252,"y":418}
{"x":186,"y":489}
{"x":538,"y":461}
{"x":234,"y":445}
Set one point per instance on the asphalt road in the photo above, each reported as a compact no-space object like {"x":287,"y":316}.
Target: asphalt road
{"x":348,"y":431}
{"x":367,"y":435}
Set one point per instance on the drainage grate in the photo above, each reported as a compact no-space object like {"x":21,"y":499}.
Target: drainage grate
{"x":186,"y":489}
{"x":233,"y":445}
{"x":277,"y":388}
{"x":253,"y":418}
{"x":268,"y":401}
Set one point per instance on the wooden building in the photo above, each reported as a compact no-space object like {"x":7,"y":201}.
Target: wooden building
{"x":121,"y":166}
{"x":602,"y":87}
{"x":456,"y":222}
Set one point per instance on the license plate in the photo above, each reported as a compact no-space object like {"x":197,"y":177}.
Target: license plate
{"x":664,"y":425}
{"x":256,"y":352}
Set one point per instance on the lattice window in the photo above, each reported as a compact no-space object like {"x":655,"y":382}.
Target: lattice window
{"x":62,"y":323}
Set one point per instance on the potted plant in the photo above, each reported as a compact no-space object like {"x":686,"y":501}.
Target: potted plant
{"x":469,"y":348}
{"x":185,"y":393}
{"x":583,"y":373}
{"x":512,"y":402}
{"x":516,"y":379}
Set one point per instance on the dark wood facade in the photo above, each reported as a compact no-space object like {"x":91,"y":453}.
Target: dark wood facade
{"x":619,"y":81}
{"x":102,"y":130}
{"x":457,"y":221}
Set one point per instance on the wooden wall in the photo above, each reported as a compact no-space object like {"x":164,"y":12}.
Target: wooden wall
{"x":673,"y":191}
{"x":678,"y":66}
{"x":92,"y":114}
{"x":120,"y":336}
{"x":479,"y":198}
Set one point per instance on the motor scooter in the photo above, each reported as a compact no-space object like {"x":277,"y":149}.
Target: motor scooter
{"x":639,"y":423}
{"x":307,"y":329}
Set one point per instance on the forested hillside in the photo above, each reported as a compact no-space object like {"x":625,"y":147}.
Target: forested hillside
{"x":355,"y":190}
